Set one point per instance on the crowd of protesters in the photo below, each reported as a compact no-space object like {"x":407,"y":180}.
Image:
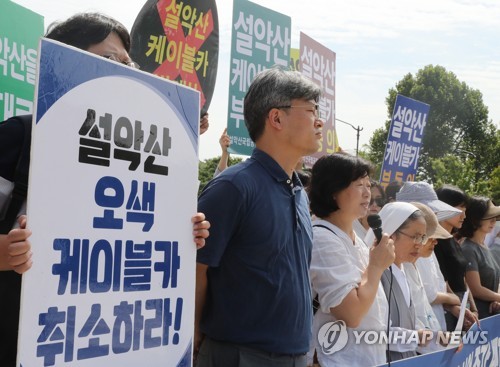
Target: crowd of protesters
{"x":282,"y":240}
{"x":395,"y":284}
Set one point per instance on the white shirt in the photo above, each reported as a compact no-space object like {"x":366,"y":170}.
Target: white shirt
{"x":336,"y":268}
{"x":400,"y":276}
{"x":359,"y":230}
{"x":433,"y":282}
{"x":425,"y":316}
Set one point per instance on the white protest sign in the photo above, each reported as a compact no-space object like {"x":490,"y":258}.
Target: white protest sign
{"x":112,"y":188}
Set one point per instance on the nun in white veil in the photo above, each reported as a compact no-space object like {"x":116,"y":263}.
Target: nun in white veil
{"x":406,"y":225}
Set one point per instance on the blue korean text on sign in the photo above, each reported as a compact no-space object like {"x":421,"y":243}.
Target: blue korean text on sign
{"x":404,"y":140}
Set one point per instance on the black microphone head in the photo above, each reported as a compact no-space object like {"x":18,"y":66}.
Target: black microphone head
{"x":374,"y":221}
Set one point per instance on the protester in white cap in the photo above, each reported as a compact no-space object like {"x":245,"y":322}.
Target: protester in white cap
{"x":452,"y":261}
{"x":432,"y":278}
{"x":422,"y":192}
{"x":407,"y":227}
{"x":345,"y":274}
{"x":483,"y":272}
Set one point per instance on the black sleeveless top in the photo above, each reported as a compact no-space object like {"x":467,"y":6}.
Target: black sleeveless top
{"x":452,"y":263}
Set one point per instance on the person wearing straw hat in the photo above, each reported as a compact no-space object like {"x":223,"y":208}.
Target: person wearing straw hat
{"x":406,"y":226}
{"x":482,"y":272}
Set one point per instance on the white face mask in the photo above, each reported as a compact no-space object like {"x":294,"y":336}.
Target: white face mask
{"x":6,"y":188}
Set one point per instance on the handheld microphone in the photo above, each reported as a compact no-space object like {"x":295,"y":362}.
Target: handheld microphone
{"x":375,"y":223}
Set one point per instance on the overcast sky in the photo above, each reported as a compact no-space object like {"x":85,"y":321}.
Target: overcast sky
{"x":376,"y":42}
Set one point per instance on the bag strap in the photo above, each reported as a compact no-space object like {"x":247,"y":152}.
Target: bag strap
{"x":325,"y":227}
{"x":21,"y":175}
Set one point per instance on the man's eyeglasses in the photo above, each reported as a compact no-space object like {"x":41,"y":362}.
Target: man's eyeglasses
{"x":378,"y":201}
{"x":115,"y":58}
{"x":417,"y":240}
{"x":312,"y":108}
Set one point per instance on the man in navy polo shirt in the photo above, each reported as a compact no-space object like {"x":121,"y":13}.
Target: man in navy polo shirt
{"x":253,"y":297}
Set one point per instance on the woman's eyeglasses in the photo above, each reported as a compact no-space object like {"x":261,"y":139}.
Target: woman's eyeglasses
{"x":417,"y":240}
{"x":115,"y":58}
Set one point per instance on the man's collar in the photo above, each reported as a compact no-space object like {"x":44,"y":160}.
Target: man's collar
{"x":273,"y":168}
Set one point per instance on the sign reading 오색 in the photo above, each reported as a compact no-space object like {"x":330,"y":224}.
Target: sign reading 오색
{"x":113,"y":185}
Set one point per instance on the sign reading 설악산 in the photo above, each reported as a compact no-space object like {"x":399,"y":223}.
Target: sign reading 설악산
{"x":20,"y":30}
{"x":179,"y":41}
{"x":260,"y":39}
{"x":318,"y":64}
{"x":404,"y":140}
{"x":112,"y":188}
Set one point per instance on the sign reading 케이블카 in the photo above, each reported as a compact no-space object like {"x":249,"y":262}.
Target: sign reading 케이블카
{"x":260,"y":39}
{"x":179,"y":41}
{"x":404,"y":140}
{"x":112,"y":188}
{"x":318,"y":64}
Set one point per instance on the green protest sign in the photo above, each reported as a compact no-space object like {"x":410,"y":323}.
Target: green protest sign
{"x":260,"y":39}
{"x":20,"y":30}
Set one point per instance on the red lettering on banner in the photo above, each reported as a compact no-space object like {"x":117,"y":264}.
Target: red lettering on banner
{"x":174,"y":69}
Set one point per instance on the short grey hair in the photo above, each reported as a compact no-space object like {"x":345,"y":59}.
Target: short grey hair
{"x":272,"y":88}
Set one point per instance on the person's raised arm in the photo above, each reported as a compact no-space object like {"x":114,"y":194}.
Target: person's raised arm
{"x":224,"y":142}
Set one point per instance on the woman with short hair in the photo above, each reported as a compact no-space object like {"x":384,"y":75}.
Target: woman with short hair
{"x":345,"y":274}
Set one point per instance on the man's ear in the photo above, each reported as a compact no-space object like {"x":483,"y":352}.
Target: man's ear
{"x":274,"y":118}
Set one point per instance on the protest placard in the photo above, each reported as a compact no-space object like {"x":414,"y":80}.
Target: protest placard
{"x":112,"y":188}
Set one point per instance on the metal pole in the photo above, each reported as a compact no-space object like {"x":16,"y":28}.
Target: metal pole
{"x":357,"y":141}
{"x":358,"y":130}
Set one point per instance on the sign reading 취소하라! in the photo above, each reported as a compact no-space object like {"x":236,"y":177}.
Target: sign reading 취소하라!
{"x":113,"y":277}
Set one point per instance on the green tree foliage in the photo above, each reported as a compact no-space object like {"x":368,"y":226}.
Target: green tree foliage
{"x":494,"y":185}
{"x":458,"y":135}
{"x":452,"y":170}
{"x":207,"y":168}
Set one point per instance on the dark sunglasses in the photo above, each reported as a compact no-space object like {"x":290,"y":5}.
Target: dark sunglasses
{"x":379,"y":201}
